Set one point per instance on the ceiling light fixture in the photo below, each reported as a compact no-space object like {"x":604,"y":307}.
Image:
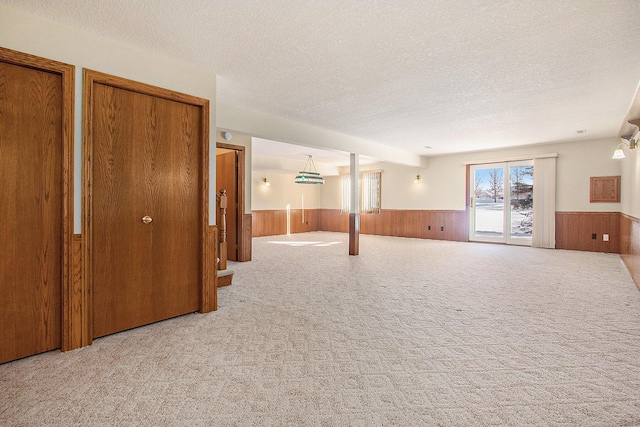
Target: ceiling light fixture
{"x":266,"y":182}
{"x":417,"y":180}
{"x":630,"y":142}
{"x":306,"y":176}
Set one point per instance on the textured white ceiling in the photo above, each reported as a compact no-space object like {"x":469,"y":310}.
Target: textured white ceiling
{"x":298,"y":154}
{"x":453,"y":75}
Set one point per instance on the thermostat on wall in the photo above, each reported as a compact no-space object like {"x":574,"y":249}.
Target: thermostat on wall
{"x":226,"y":135}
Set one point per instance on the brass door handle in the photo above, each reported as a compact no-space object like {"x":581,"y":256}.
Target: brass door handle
{"x":147,"y":219}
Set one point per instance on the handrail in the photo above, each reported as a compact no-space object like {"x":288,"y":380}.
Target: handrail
{"x":222,"y":224}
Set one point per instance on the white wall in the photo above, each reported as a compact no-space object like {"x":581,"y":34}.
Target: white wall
{"x":278,"y":164}
{"x":443,"y":183}
{"x":330,"y":194}
{"x":283,"y":191}
{"x":630,"y":183}
{"x":263,"y":125}
{"x":26,"y":33}
{"x":577,"y":162}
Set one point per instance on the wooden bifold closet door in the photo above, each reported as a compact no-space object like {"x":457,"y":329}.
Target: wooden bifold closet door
{"x":34,"y":223}
{"x":146,"y":207}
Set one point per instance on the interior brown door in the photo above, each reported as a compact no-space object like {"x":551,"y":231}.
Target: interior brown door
{"x":31,"y":177}
{"x":227,"y":178}
{"x":146,"y":224}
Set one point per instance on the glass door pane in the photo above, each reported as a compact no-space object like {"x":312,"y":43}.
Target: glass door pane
{"x":502,"y":202}
{"x":488,"y":207}
{"x":521,"y":202}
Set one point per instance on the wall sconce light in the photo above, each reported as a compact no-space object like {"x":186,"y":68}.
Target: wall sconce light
{"x":266,"y":182}
{"x":630,"y":142}
{"x":417,"y":180}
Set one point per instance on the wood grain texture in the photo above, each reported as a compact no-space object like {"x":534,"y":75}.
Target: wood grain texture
{"x":310,"y":222}
{"x":333,"y":220}
{"x":269,"y":223}
{"x":354,"y":234}
{"x":221,"y":222}
{"x":75,"y":303}
{"x":630,"y":245}
{"x":225,"y":281}
{"x":604,"y":189}
{"x":399,"y":223}
{"x":242,"y":251}
{"x":574,"y":231}
{"x":209,"y":297}
{"x":227,"y":179}
{"x":34,"y":256}
{"x":145,"y":153}
{"x":245,"y":252}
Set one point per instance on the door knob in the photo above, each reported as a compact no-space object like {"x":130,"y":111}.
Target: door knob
{"x":147,"y":219}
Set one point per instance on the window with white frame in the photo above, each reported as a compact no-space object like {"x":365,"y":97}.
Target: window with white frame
{"x":370,"y":192}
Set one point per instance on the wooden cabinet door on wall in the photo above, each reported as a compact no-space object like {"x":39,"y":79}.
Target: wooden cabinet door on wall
{"x":146,"y":208}
{"x":32,"y":197}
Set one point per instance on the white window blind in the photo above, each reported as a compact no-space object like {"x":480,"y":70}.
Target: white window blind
{"x":345,"y":204}
{"x":370,"y":192}
{"x":544,"y":203}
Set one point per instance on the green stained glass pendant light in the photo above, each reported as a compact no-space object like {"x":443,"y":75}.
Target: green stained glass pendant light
{"x":307,"y":176}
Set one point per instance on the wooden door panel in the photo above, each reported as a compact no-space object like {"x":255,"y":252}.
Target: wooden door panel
{"x":226,"y":178}
{"x":147,"y":164}
{"x":176,"y":232}
{"x":31,"y":153}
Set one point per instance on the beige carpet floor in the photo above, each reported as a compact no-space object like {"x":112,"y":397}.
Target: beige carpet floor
{"x":410,"y":333}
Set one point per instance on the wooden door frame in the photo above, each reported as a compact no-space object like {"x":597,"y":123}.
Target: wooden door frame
{"x":70,"y":301}
{"x":90,"y":78}
{"x":240,"y":150}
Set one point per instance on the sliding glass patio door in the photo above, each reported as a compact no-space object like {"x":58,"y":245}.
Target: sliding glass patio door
{"x":502,"y":202}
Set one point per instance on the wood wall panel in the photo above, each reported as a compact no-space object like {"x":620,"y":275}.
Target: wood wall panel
{"x":310,"y":221}
{"x":389,"y":222}
{"x":333,"y":220}
{"x":209,"y":296}
{"x":574,"y":231}
{"x":269,"y":223}
{"x":244,"y":251}
{"x":75,"y":303}
{"x":630,"y":245}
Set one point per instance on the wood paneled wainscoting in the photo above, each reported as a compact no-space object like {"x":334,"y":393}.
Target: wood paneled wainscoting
{"x":244,"y":252}
{"x":630,"y":245}
{"x":437,"y":225}
{"x":576,"y":231}
{"x":274,"y":222}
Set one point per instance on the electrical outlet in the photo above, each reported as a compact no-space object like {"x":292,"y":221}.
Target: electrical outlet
{"x":605,"y":237}
{"x":441,"y":228}
{"x":594,"y":236}
{"x":429,"y":228}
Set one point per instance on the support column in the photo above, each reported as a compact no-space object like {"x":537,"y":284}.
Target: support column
{"x":354,"y":212}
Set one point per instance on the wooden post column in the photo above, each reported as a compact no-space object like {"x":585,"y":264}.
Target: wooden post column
{"x":354,"y":212}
